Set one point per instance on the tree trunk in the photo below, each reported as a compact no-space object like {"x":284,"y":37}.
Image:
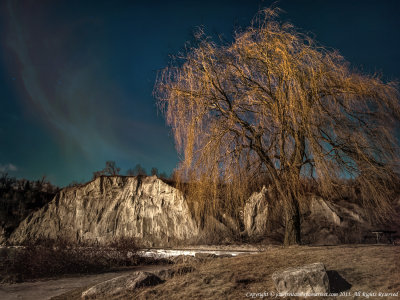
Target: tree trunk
{"x":292,"y":220}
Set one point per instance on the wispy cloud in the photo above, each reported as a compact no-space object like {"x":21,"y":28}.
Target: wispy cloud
{"x":68,"y":77}
{"x":72,"y":94}
{"x":8,"y":167}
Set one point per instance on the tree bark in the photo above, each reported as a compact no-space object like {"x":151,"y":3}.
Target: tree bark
{"x":292,"y":220}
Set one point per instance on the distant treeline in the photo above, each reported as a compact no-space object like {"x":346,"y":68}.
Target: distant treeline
{"x":111,"y":169}
{"x":19,"y":197}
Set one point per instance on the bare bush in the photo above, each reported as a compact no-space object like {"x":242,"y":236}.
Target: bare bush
{"x":110,"y":169}
{"x":48,"y":258}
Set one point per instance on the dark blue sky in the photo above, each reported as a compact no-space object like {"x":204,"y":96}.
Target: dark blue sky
{"x":76,"y":77}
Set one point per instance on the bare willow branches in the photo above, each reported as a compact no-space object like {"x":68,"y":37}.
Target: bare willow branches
{"x":277,"y":103}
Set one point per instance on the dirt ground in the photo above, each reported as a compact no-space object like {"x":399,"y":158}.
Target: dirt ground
{"x":45,"y":289}
{"x":352,"y":269}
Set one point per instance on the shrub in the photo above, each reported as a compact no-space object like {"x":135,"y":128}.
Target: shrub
{"x":48,"y":258}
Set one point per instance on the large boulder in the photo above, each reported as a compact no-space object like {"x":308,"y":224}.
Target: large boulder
{"x":108,"y":208}
{"x":118,"y":285}
{"x":302,"y":280}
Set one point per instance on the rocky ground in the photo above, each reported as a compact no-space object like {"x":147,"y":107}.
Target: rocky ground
{"x":351,"y":269}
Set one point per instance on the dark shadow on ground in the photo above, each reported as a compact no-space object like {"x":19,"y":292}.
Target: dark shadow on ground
{"x":337,"y":283}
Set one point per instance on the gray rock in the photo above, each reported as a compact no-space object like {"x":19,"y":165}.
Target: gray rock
{"x":332,"y":223}
{"x":350,"y":211}
{"x":121,"y":284}
{"x":107,"y":208}
{"x":307,"y":279}
{"x":255,"y":213}
{"x":321,"y":209}
{"x":322,"y":222}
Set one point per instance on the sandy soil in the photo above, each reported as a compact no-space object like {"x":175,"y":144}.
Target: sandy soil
{"x":46,"y":289}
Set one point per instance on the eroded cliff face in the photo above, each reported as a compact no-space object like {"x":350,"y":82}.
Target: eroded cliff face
{"x":255,"y":213}
{"x":322,"y":222}
{"x":108,"y":208}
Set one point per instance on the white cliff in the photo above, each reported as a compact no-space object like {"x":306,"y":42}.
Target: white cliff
{"x":108,"y":208}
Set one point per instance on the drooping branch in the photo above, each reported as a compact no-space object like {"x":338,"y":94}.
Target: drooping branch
{"x":277,"y":103}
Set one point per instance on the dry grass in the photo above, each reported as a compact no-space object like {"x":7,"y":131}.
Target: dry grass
{"x":48,"y":258}
{"x":365,"y":268}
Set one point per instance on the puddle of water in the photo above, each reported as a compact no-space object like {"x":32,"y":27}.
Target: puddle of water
{"x":165,"y":253}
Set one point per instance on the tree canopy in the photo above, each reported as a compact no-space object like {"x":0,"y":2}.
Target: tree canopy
{"x":277,"y":103}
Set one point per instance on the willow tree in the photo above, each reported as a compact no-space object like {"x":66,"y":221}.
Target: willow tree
{"x":276,"y":100}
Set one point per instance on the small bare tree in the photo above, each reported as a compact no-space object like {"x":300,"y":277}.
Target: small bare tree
{"x":276,"y":102}
{"x":137,"y":171}
{"x":154,"y":171}
{"x":110,"y":169}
